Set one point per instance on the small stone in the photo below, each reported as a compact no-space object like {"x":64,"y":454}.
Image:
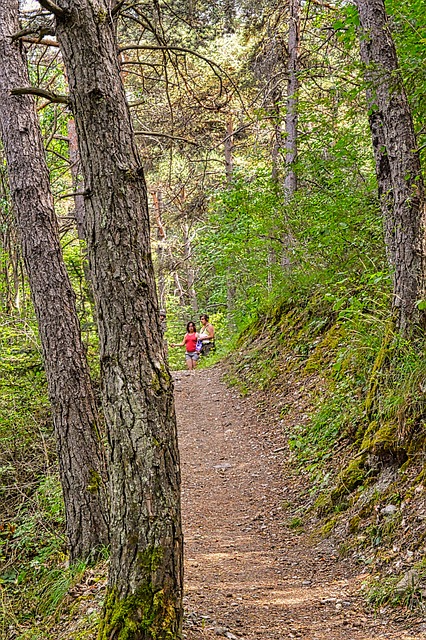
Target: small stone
{"x":306,"y":583}
{"x":409,"y":581}
{"x":389,"y":510}
{"x":221,"y":631}
{"x":223,"y":466}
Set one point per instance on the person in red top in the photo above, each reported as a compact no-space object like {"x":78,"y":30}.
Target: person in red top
{"x":190,"y":343}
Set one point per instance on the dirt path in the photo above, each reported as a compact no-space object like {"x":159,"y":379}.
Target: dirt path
{"x":248,"y":574}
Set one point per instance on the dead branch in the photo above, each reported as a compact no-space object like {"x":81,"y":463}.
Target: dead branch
{"x":47,"y":42}
{"x":34,"y":91}
{"x":165,"y":135}
{"x":52,"y":8}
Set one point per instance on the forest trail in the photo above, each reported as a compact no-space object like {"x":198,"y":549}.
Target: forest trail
{"x":248,"y":574}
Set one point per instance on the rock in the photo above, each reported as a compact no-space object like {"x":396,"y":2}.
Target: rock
{"x":389,"y":510}
{"x":221,"y":631}
{"x":409,"y":581}
{"x":223,"y":466}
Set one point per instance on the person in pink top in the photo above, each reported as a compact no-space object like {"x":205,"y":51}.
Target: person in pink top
{"x":190,"y":343}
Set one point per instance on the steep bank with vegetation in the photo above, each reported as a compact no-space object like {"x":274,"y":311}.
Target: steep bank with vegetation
{"x":277,"y":208}
{"x":363,"y":442}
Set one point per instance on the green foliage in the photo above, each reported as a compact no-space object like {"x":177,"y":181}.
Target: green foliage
{"x":304,"y":283}
{"x":27,"y":448}
{"x":409,"y":33}
{"x":381,"y":591}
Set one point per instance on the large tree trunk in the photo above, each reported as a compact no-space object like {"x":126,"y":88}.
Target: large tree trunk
{"x":399,"y":172}
{"x":144,"y":595}
{"x":73,"y":405}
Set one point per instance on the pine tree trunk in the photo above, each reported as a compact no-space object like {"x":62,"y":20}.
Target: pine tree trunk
{"x":383,"y":173}
{"x":144,"y":595}
{"x":157,"y":198}
{"x":290,"y":181}
{"x":79,"y":212}
{"x":190,"y":274}
{"x":73,"y":405}
{"x":228,"y":146}
{"x":278,"y":142}
{"x":406,"y":215}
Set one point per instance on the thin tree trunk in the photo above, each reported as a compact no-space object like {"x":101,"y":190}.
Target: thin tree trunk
{"x":228,"y":144}
{"x":290,"y":182}
{"x":278,"y":136}
{"x":157,"y":198}
{"x":231,"y":295}
{"x":179,"y":292}
{"x":189,"y":269}
{"x":79,"y":212}
{"x":8,"y":243}
{"x":230,"y":12}
{"x":73,"y":405}
{"x":144,"y":594}
{"x":399,"y":174}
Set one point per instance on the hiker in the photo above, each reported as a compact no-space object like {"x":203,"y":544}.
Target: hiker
{"x":206,"y":335}
{"x":189,"y":341}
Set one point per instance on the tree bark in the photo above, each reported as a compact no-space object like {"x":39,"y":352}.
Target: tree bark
{"x":189,"y":269}
{"x":277,"y":144}
{"x":73,"y":405}
{"x":229,"y":145}
{"x":157,"y":198}
{"x":144,"y":594}
{"x":383,"y":173}
{"x":79,"y":211}
{"x":397,"y":164}
{"x":290,"y":181}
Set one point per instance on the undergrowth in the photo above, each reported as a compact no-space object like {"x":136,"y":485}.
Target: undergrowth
{"x":364,"y":445}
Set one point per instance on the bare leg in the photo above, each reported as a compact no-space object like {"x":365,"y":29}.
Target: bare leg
{"x":190,"y":363}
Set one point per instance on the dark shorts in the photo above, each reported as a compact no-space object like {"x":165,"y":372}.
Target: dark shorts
{"x":207,"y":347}
{"x":192,"y":355}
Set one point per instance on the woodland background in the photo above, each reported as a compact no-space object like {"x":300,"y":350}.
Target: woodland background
{"x":294,"y":285}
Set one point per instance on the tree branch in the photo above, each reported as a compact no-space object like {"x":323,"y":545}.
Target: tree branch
{"x":165,"y":135}
{"x":215,"y":67}
{"x":52,"y":8}
{"x":34,"y":91}
{"x":42,"y":31}
{"x":47,"y":43}
{"x":74,"y":194}
{"x":327,"y":5}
